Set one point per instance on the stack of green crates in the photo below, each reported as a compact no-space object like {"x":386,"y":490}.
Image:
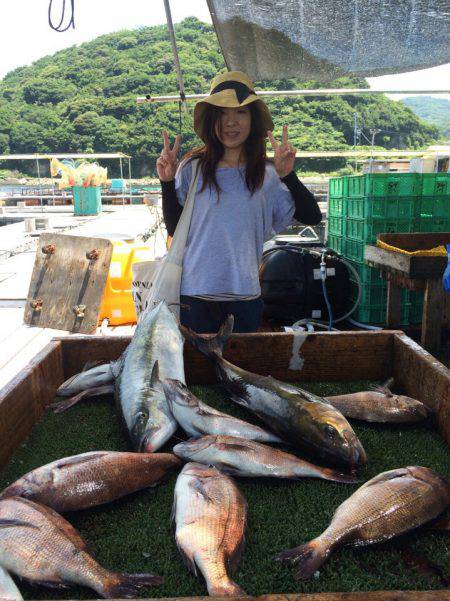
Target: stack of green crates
{"x":362,"y":206}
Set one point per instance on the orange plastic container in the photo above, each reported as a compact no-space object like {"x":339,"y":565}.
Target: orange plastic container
{"x":117,"y":302}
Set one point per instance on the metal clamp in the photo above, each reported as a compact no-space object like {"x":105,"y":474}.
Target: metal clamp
{"x":36,"y":304}
{"x":93,"y":255}
{"x":79,"y":310}
{"x":49,"y":249}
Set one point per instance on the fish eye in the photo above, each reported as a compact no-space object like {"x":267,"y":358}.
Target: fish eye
{"x":142,"y":417}
{"x":330,"y":432}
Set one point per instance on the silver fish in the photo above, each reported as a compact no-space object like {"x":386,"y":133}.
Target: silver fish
{"x":8,"y":588}
{"x":247,"y":458}
{"x":155,"y":351}
{"x":390,"y":504}
{"x":305,"y":419}
{"x":197,"y":418}
{"x":92,"y":377}
{"x":210,"y":517}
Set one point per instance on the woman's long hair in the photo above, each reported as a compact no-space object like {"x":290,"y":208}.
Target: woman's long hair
{"x":213,"y":150}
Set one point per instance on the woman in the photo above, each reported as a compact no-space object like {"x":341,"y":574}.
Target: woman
{"x":242,"y":199}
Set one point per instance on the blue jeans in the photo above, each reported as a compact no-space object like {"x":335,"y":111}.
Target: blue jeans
{"x":206,"y":317}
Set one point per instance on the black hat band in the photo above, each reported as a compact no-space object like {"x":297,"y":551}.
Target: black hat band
{"x":242,"y":91}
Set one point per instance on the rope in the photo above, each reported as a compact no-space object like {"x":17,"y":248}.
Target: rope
{"x":63,"y":14}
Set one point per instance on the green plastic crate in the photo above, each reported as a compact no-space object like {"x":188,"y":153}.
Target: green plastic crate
{"x":376,"y":314}
{"x":337,"y":207}
{"x":378,"y":207}
{"x":432,"y":224}
{"x":337,"y":186}
{"x":370,"y":295}
{"x":335,"y":243}
{"x":434,"y":206}
{"x":435,"y":184}
{"x":367,"y":275}
{"x":366,"y":230}
{"x":385,"y":184}
{"x":353,"y":249}
{"x":336,"y":225}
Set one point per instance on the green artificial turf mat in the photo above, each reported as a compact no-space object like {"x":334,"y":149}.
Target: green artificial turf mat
{"x":135,"y":534}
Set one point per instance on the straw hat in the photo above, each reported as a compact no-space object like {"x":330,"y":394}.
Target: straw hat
{"x":231,"y":90}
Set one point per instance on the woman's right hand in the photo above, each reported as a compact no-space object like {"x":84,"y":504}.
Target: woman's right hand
{"x":166,"y":164}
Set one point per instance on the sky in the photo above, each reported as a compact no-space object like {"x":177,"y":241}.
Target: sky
{"x":26,"y":36}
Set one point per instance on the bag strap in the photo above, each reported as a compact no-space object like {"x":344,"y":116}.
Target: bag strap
{"x":176,"y":250}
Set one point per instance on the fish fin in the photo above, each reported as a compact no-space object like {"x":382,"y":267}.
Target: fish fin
{"x":382,"y":390}
{"x":233,"y":560}
{"x":116,"y":366}
{"x":154,"y":378}
{"x":90,"y":364}
{"x":233,"y":446}
{"x":228,"y":468}
{"x":125,"y":586}
{"x":173,"y":511}
{"x":61,"y":406}
{"x":198,"y":487}
{"x":4,"y":523}
{"x":336,"y":476}
{"x":50,"y":584}
{"x":306,"y":558}
{"x":385,"y":476}
{"x":210,"y":345}
{"x":78,"y":460}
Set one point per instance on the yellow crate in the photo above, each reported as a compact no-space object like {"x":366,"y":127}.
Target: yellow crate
{"x":117,"y":301}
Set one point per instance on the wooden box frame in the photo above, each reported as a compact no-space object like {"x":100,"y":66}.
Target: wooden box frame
{"x":328,"y":356}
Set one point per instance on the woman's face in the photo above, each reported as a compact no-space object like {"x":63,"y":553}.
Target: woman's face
{"x":233,"y":126}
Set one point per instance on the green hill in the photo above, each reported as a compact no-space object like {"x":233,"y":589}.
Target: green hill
{"x":84,"y":99}
{"x":431,"y":109}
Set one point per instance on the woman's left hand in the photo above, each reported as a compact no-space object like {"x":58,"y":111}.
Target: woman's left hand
{"x":283,"y":154}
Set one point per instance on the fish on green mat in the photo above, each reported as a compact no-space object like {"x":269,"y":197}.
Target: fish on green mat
{"x":379,"y":405}
{"x":250,"y":459}
{"x":210,"y":517}
{"x":40,"y":546}
{"x":8,"y":588}
{"x":91,"y":479}
{"x":156,"y":349}
{"x":390,"y":504}
{"x":198,"y":419}
{"x":300,"y":417}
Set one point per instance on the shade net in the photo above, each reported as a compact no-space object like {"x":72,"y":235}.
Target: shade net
{"x":324,"y":39}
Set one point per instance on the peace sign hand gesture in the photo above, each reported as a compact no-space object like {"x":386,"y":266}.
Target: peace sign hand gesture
{"x":166,"y":164}
{"x":283,"y":154}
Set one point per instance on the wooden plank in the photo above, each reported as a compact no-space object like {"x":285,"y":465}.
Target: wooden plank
{"x":24,"y":398}
{"x":423,"y":377}
{"x":322,"y":356}
{"x":441,"y":595}
{"x":393,"y":314}
{"x":379,"y":257}
{"x":432,"y":316}
{"x":66,"y":278}
{"x":416,"y":240}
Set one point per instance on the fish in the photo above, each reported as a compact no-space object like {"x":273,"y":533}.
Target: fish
{"x":40,"y":546}
{"x":250,"y":459}
{"x":91,"y":479}
{"x":154,"y":353}
{"x":386,"y":506}
{"x":90,"y":377}
{"x":197,"y":418}
{"x":210,"y":517}
{"x":8,"y":588}
{"x":303,"y":418}
{"x":379,"y":405}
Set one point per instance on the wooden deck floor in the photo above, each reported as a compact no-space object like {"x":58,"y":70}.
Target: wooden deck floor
{"x":20,"y":343}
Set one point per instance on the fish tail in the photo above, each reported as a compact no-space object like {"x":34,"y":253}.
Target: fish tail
{"x":225,"y":588}
{"x":61,"y":406}
{"x":306,"y":558}
{"x":210,"y":345}
{"x":126,"y":586}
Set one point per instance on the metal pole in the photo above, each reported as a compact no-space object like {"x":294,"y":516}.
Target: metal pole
{"x":129,"y":176}
{"x":121,"y":177}
{"x":303,"y":92}
{"x":39,"y":180}
{"x":175,"y":51}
